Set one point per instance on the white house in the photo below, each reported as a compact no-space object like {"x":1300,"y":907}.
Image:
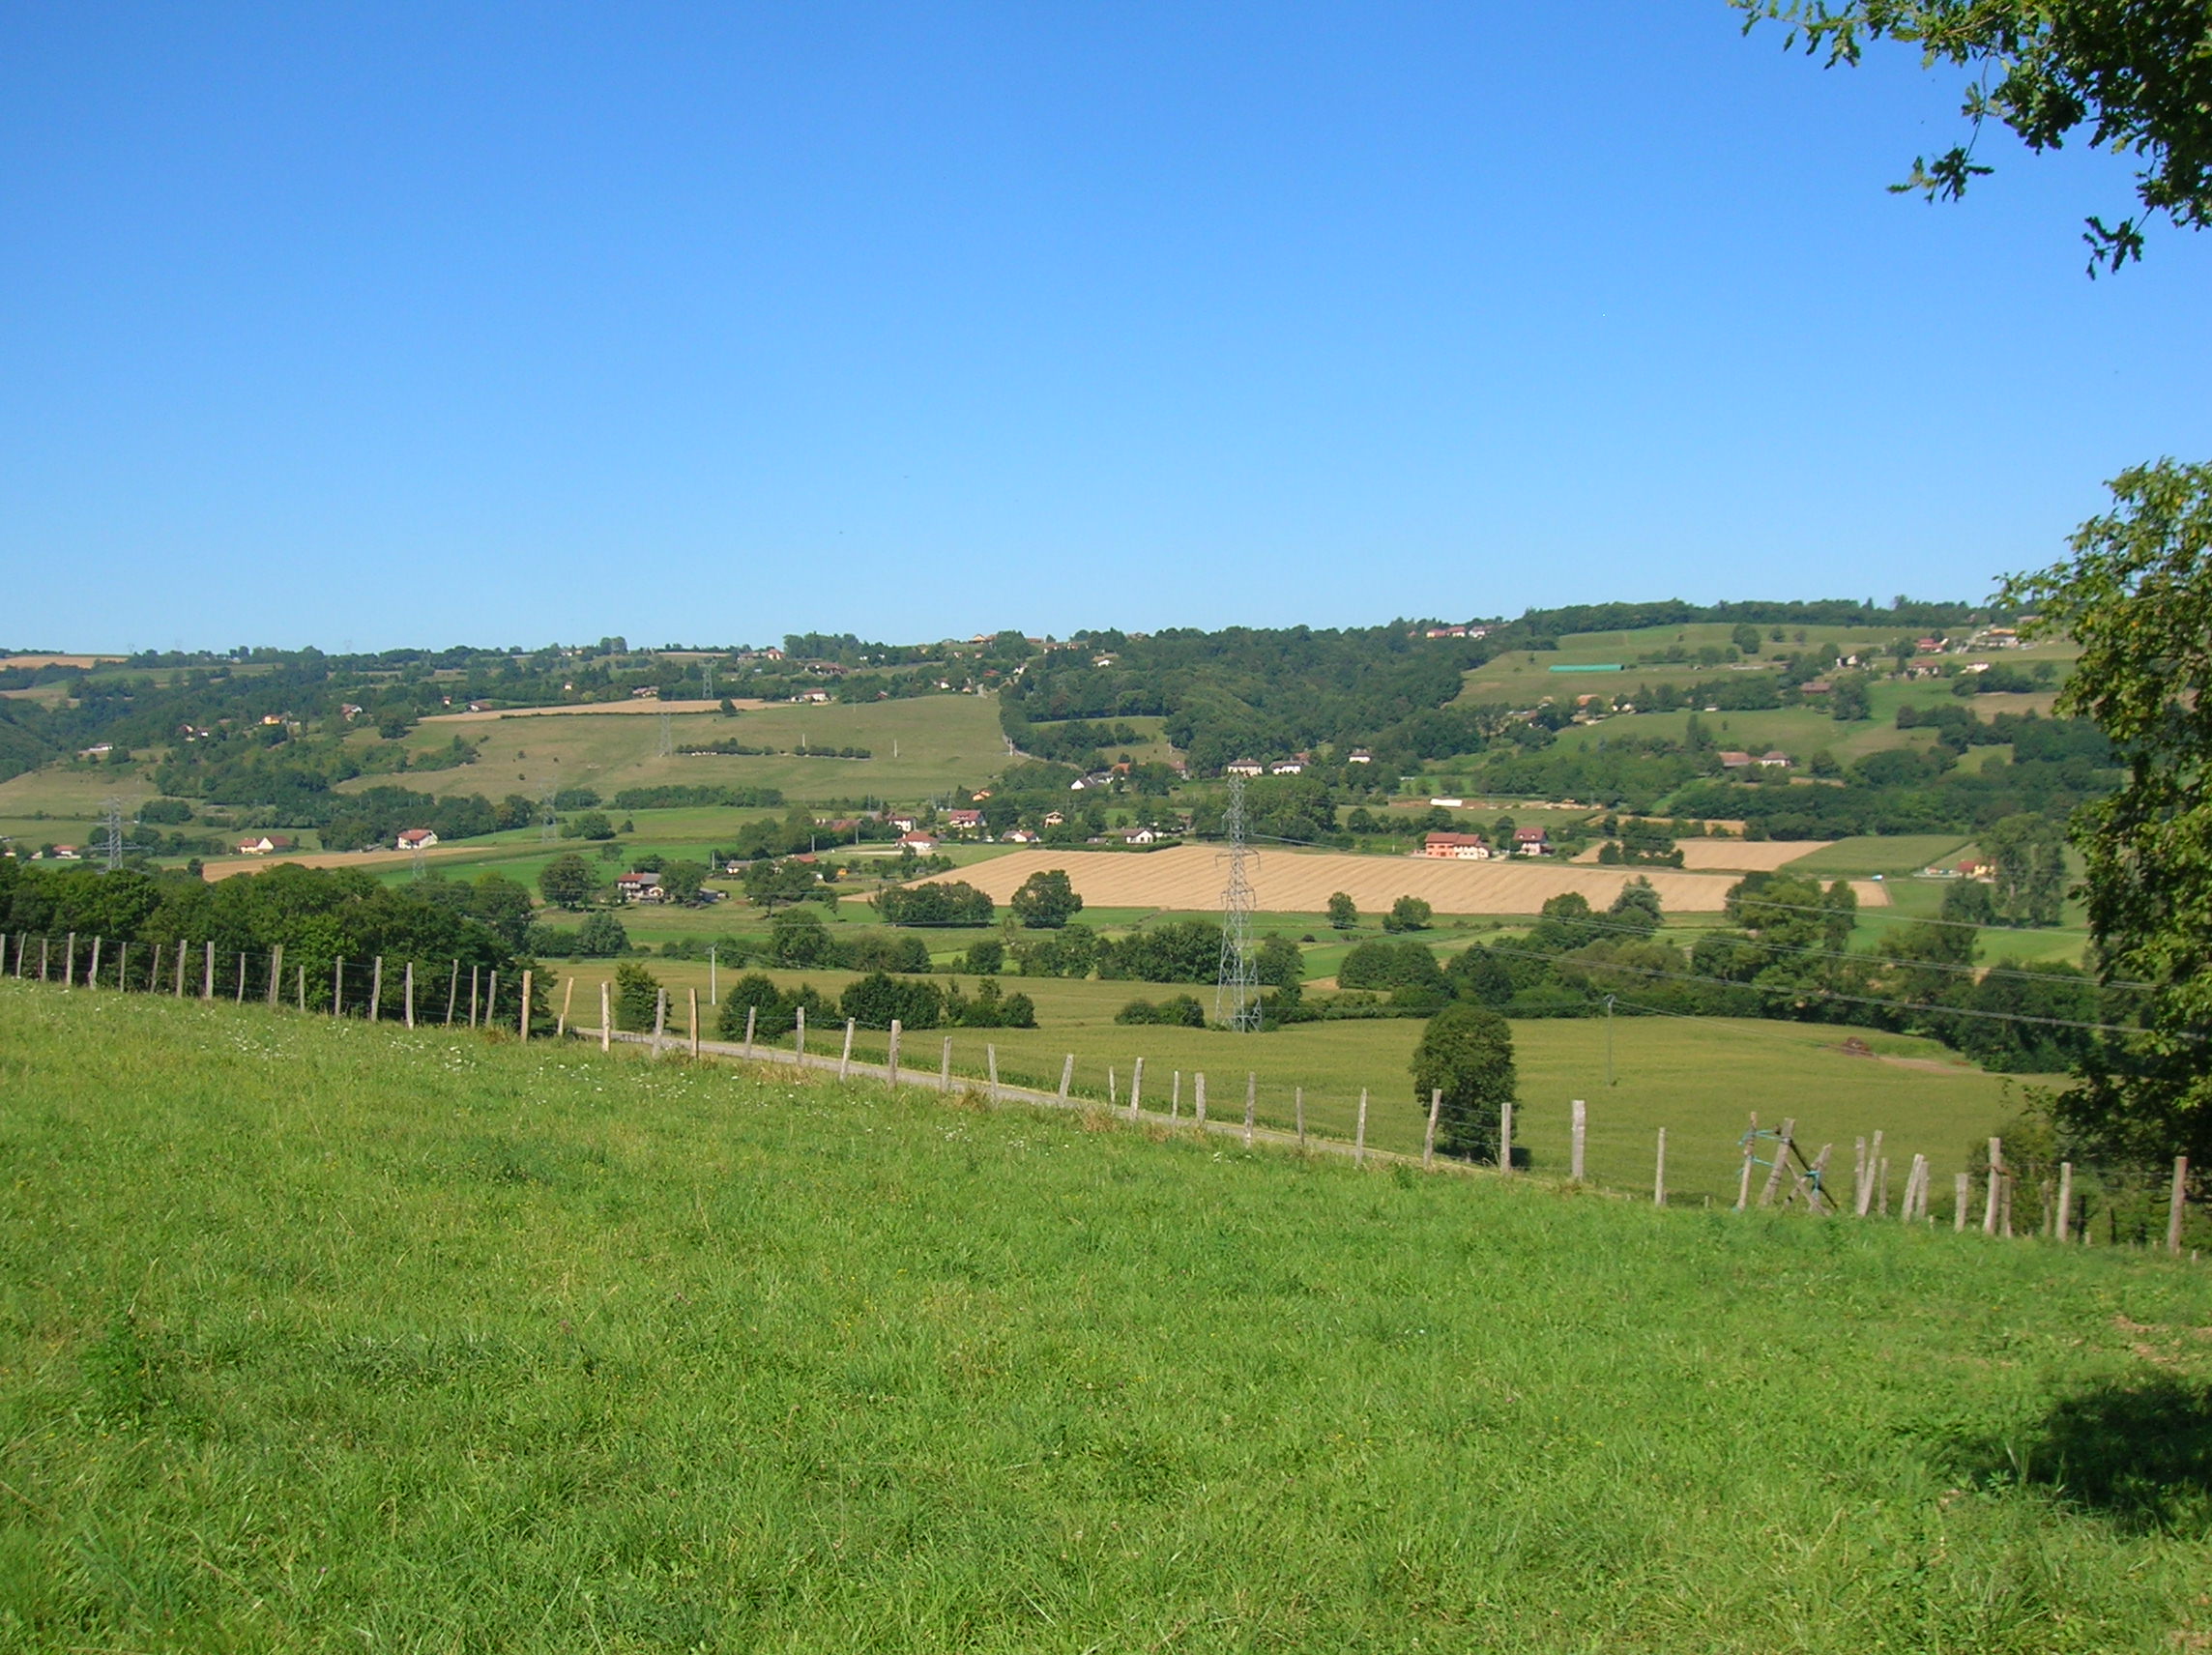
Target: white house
{"x":417,"y":838}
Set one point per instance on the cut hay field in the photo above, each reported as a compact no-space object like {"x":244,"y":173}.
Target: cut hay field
{"x":1190,"y":877}
{"x":320,"y":1337}
{"x":1732,"y":855}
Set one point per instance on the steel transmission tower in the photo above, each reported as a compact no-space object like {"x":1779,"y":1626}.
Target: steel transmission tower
{"x":549,"y":816}
{"x":667,"y":737}
{"x":111,"y":832}
{"x":1236,"y":988}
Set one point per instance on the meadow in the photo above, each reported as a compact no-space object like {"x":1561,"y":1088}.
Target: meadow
{"x":317,"y":1336}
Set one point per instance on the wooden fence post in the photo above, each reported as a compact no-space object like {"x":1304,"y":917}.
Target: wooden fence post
{"x":567,"y":998}
{"x":1659,"y":1173}
{"x":1579,"y":1133}
{"x":522,"y":1023}
{"x":241,"y":996}
{"x":1067,"y":1076}
{"x":475,"y":990}
{"x":276,"y":974}
{"x":1174,"y":1098}
{"x":2065,"y":1199}
{"x":122,"y":962}
{"x":1201,"y":1093}
{"x":375,"y":988}
{"x":798,"y":1039}
{"x":1359,"y":1132}
{"x":1882,"y":1187}
{"x":606,"y":1019}
{"x":659,"y":1018}
{"x":845,"y":1058}
{"x":1915,"y":1188}
{"x":752,"y":1015}
{"x":1782,"y":1150}
{"x":1961,"y":1192}
{"x":1136,"y":1085}
{"x":1859,"y":1178}
{"x":1300,"y":1096}
{"x":1429,"y":1136}
{"x":1251,"y":1104}
{"x":453,"y":991}
{"x":991,"y":1060}
{"x":337,"y":988}
{"x":2175,"y":1204}
{"x":694,"y":994}
{"x":301,"y":972}
{"x":69,"y":964}
{"x":92,"y":972}
{"x":1506,"y":1136}
{"x":1865,"y":1192}
{"x":1750,"y":1152}
{"x":1809,"y":1181}
{"x":945,"y":1068}
{"x":891,"y":1056}
{"x":45,"y":968}
{"x":491,"y":1000}
{"x":207,"y":982}
{"x":1112,"y":1096}
{"x":408,"y":995}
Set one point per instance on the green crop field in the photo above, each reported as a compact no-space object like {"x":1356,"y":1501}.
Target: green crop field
{"x":328,"y":1337}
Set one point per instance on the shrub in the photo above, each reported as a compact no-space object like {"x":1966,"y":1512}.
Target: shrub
{"x":1391,"y":966}
{"x":1177,"y":1012}
{"x":637,"y":994}
{"x":875,"y":1000}
{"x":1468,"y":1052}
{"x":883,"y":951}
{"x":601,"y":937}
{"x":955,"y":903}
{"x":796,"y":937}
{"x":986,"y":956}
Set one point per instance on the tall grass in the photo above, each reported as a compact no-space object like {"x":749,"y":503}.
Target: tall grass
{"x":322,"y":1336}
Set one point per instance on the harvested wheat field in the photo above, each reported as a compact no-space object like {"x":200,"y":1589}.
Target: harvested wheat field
{"x":1290,"y":881}
{"x":1734,"y":856}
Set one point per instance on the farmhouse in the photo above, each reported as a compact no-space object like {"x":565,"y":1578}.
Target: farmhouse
{"x":417,"y":838}
{"x":921,"y":844}
{"x":1456,"y":846}
{"x":1135,"y":835}
{"x":964,"y":820}
{"x":68,"y":853}
{"x":262,"y":844}
{"x":638,"y":887}
{"x":1735,"y":760}
{"x":904,"y":824}
{"x":97,"y":750}
{"x":1361,"y":756}
{"x":1287,"y":767}
{"x":1532,"y":842}
{"x":1243,"y":768}
{"x":1774,"y":759}
{"x":1021,"y":836}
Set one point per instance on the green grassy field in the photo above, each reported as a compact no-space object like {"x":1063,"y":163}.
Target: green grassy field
{"x":320,"y":1337}
{"x":1700,"y":1079}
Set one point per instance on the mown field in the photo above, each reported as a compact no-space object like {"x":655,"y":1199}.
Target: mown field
{"x":320,"y":1337}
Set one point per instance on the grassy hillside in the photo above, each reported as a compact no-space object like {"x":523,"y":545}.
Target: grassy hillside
{"x":319,"y":1336}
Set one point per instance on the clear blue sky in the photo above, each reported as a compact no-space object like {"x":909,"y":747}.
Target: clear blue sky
{"x":509,"y":324}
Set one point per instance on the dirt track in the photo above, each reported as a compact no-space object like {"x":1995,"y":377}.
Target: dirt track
{"x":1190,"y":877}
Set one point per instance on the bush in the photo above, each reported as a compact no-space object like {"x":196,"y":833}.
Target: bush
{"x":883,"y":951}
{"x":1182,"y":951}
{"x":1177,"y":1012}
{"x":1409,"y":913}
{"x":169,"y":811}
{"x":601,"y":937}
{"x":1391,"y":966}
{"x":954,"y":903}
{"x":1069,"y":953}
{"x":986,"y":957}
{"x":775,"y":1012}
{"x":637,"y":994}
{"x":989,"y":1009}
{"x":875,"y":1000}
{"x":796,"y":937}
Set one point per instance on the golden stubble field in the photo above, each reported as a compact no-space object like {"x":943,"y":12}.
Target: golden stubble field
{"x":1191,"y":876}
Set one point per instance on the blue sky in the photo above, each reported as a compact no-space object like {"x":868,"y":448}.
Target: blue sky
{"x":506,"y":324}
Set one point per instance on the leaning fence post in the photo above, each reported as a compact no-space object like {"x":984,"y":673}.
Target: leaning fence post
{"x":1251,"y":1104}
{"x":1201,"y":1084}
{"x":891,"y":1056}
{"x":1067,"y":1076}
{"x":2175,"y":1204}
{"x":2065,"y":1199}
{"x":1359,"y":1132}
{"x":453,"y":991}
{"x":207,"y":982}
{"x":659,"y":1018}
{"x":1865,"y":1192}
{"x":1578,"y":1133}
{"x":845,"y":1058}
{"x":1659,"y":1173}
{"x":1429,"y":1136}
{"x":376,"y":989}
{"x":1997,"y":1186}
{"x":1961,"y":1192}
{"x":276,"y":974}
{"x":567,"y":998}
{"x":1136,"y":1085}
{"x":991,"y":1060}
{"x":1300,"y":1095}
{"x":241,"y":996}
{"x":407,"y":990}
{"x":1782,"y":1150}
{"x":606,"y":1019}
{"x":694,"y":994}
{"x":1750,"y":1154}
{"x":1915,"y":1188}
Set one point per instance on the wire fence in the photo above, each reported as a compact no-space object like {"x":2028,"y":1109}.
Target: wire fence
{"x":2025,"y":1189}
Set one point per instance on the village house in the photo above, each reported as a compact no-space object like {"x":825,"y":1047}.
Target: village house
{"x":1733,"y":760}
{"x":264,"y":844}
{"x":921,"y":844}
{"x":1532,"y":842}
{"x":1135,"y":835}
{"x":1287,"y":767}
{"x":1021,"y":836}
{"x":1361,"y":756}
{"x":903,"y":823}
{"x":964,"y":820}
{"x":814,"y":696}
{"x":646,"y":693}
{"x":97,"y":750}
{"x":1774,"y":759}
{"x":638,"y":887}
{"x":417,"y":838}
{"x":1055,"y":819}
{"x":1243,"y":768}
{"x":66,"y":853}
{"x":1456,"y":846}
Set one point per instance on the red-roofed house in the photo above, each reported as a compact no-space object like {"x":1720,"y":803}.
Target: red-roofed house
{"x":417,"y":838}
{"x":1456,"y":846}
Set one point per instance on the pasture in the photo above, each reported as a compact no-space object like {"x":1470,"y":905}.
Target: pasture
{"x":320,"y":1336}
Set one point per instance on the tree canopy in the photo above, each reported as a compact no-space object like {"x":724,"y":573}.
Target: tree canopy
{"x":2137,"y":73}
